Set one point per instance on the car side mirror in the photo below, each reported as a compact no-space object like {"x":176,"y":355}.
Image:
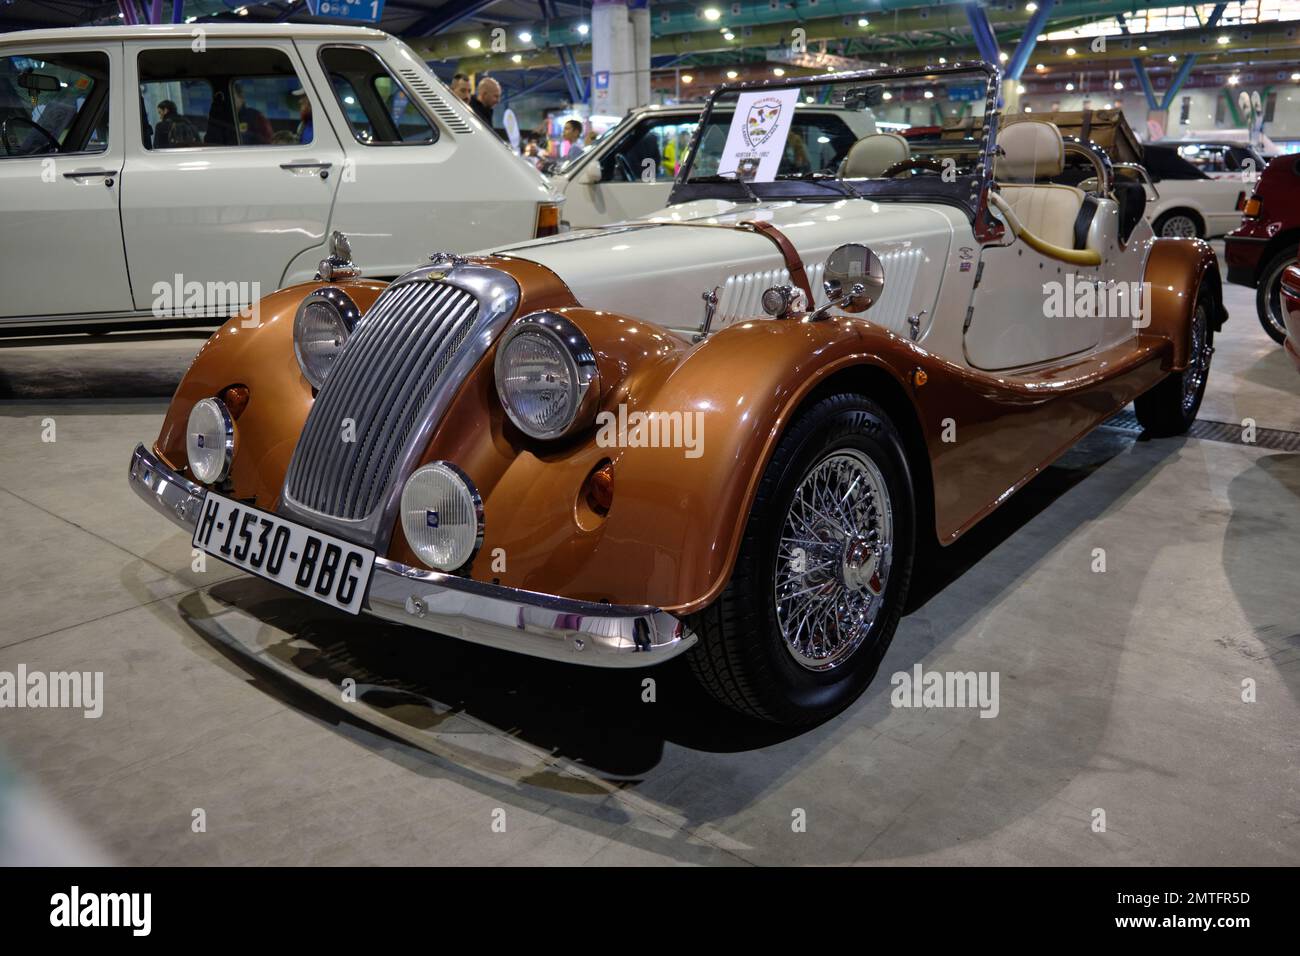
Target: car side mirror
{"x":589,"y":175}
{"x":854,"y":278}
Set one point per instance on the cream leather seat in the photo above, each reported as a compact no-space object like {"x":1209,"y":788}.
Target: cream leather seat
{"x":873,"y":154}
{"x":1033,"y":151}
{"x":1042,"y":215}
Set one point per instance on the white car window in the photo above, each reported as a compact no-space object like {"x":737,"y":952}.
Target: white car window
{"x":53,"y":103}
{"x":222,"y":97}
{"x":376,"y":106}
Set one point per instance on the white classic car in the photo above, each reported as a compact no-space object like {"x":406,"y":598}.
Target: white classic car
{"x":1192,"y":204}
{"x":181,"y":169}
{"x":629,"y":171}
{"x":728,"y":431}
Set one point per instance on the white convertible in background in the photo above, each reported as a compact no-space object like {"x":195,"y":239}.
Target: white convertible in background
{"x":1192,"y":204}
{"x":186,"y":170}
{"x":629,"y":171}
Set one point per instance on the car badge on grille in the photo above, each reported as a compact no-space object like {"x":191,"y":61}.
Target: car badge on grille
{"x":431,"y":519}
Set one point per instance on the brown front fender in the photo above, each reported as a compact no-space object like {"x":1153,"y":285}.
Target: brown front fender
{"x":256,"y":352}
{"x":1175,"y":271}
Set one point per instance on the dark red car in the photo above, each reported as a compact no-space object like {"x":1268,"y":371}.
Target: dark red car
{"x":1260,"y":249}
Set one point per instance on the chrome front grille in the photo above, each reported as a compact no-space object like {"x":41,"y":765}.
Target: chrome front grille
{"x":383,"y":382}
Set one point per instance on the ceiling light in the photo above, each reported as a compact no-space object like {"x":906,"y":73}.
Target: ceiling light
{"x":1118,"y":85}
{"x":1029,"y":109}
{"x":778,"y":71}
{"x":863,"y":21}
{"x":929,"y":94}
{"x":687,"y":78}
{"x":712,"y":13}
{"x":809,"y":99}
{"x":518,"y":58}
{"x":728,"y":35}
{"x":1172,"y":58}
{"x":1031,"y":6}
{"x":732,"y":74}
{"x":1143,"y":48}
{"x":525,"y":37}
{"x":1070,"y":51}
{"x":943,"y":60}
{"x":1020,"y":89}
{"x":1003,"y":57}
{"x":1295,"y":76}
{"x":583,"y":28}
{"x":1234,"y":80}
{"x":1039,"y":67}
{"x":887,"y":95}
{"x":474,"y":43}
{"x":1069,"y":87}
{"x":1222,"y":41}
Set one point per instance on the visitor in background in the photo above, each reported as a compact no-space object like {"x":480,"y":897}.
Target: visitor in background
{"x":572,"y":135}
{"x":460,"y":88}
{"x":485,"y":100}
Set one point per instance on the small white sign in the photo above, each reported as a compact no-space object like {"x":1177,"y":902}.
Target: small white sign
{"x":756,"y":140}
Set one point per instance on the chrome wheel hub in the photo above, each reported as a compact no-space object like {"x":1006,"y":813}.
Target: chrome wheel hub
{"x":833,"y":559}
{"x":1272,"y":286}
{"x":1179,"y":227}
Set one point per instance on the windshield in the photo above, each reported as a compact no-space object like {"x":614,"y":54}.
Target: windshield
{"x":889,"y":135}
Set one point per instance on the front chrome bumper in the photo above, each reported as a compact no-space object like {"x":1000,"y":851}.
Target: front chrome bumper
{"x":540,"y":625}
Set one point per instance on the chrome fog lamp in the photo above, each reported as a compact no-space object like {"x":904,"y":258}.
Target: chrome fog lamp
{"x":442,"y":516}
{"x":324,"y":321}
{"x":546,"y":376}
{"x":210,"y":440}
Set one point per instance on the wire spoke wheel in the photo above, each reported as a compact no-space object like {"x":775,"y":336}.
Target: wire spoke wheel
{"x":1179,"y":227}
{"x":1198,"y":362}
{"x":833,"y":559}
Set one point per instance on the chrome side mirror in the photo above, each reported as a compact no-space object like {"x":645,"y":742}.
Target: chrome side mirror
{"x":338,"y":264}
{"x":854,"y":280}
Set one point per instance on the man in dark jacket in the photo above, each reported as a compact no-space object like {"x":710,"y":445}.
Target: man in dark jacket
{"x":485,"y":99}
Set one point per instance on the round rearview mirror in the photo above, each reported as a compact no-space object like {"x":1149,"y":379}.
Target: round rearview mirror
{"x":854,"y":277}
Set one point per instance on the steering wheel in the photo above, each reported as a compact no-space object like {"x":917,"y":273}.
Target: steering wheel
{"x":927,"y":163}
{"x":11,"y":148}
{"x":624,"y":166}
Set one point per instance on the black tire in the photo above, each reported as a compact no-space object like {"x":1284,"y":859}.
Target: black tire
{"x":1166,"y":219}
{"x":742,"y":657}
{"x":1268,"y":295}
{"x":1170,"y":408}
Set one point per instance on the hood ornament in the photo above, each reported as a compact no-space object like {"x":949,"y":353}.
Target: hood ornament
{"x":449,"y":259}
{"x":338,"y":264}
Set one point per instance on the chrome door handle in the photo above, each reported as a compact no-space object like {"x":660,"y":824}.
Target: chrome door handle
{"x":323,"y":167}
{"x":108,"y":175}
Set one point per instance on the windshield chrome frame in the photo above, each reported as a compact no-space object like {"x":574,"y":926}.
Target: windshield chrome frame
{"x":993,"y":76}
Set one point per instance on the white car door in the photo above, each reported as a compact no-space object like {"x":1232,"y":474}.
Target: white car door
{"x":229,"y":180}
{"x":629,"y":176}
{"x":61,"y":127}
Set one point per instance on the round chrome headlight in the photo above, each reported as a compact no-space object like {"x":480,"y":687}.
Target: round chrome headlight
{"x":324,"y":321}
{"x":442,"y":516}
{"x":210,"y":440}
{"x":546,"y":376}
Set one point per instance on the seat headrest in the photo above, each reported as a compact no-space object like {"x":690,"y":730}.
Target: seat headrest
{"x":873,"y":154}
{"x":1030,"y":151}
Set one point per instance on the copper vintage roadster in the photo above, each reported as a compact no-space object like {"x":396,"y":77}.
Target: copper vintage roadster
{"x":724,"y":430}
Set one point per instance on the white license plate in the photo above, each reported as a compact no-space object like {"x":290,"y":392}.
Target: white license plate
{"x":317,"y":565}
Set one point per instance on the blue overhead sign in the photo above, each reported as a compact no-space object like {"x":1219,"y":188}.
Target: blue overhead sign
{"x":358,"y":11}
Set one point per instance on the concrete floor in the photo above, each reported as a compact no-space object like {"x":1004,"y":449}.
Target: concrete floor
{"x":1120,"y":691}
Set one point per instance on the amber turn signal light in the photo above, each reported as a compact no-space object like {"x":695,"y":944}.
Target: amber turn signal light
{"x":1252,"y":208}
{"x":600,"y":488}
{"x":236,"y":399}
{"x":548,"y":219}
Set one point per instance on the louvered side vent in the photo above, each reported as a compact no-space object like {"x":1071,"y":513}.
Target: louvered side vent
{"x":741,"y":296}
{"x":432,"y":99}
{"x":383,"y":383}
